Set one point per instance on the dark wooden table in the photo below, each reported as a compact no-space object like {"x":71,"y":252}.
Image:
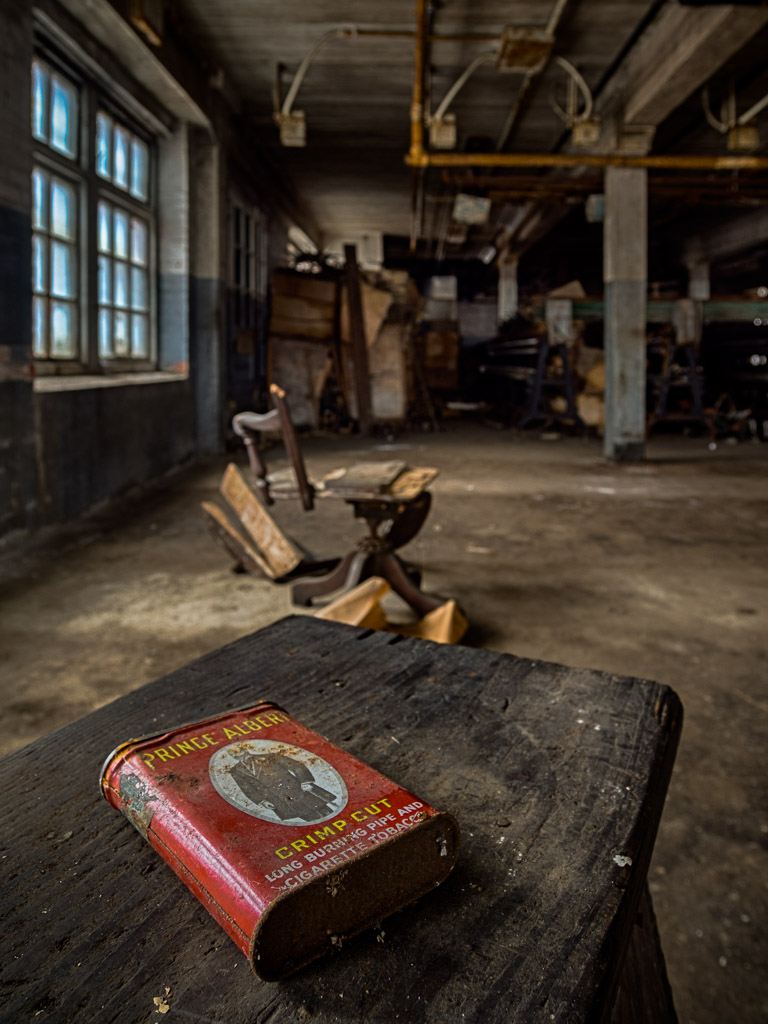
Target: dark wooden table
{"x":556,"y":775}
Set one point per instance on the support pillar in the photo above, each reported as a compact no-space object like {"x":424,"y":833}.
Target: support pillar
{"x":625,"y":271}
{"x":507,"y":289}
{"x":207,"y":348}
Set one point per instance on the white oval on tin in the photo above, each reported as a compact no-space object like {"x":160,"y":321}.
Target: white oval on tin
{"x":277,"y":782}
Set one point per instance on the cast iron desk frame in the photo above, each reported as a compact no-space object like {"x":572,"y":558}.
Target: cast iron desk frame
{"x":558,"y":817}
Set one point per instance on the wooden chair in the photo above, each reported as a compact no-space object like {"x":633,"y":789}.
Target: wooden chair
{"x":390,"y":497}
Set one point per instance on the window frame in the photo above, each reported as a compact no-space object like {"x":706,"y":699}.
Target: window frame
{"x":93,"y":97}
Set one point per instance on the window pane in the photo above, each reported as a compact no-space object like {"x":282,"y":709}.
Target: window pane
{"x":121,"y":334}
{"x":62,"y":210}
{"x":105,"y":280}
{"x":63,"y":333}
{"x":63,"y":117}
{"x":139,"y":336}
{"x":120,"y":271}
{"x":105,"y":333}
{"x":138,"y":242}
{"x":104,"y":232}
{"x":39,"y":264}
{"x":39,"y":101}
{"x":121,"y":234}
{"x":139,"y":289}
{"x":120,"y":170}
{"x":139,"y":169}
{"x":62,"y":270}
{"x":39,"y":206}
{"x":38,"y":327}
{"x":103,"y":144}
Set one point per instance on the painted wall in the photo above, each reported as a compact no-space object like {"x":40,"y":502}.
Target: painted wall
{"x":99,"y":442}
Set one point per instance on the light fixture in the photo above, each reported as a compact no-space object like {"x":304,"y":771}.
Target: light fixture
{"x":293,"y":128}
{"x":741,"y":129}
{"x":585,"y":129}
{"x":293,"y":123}
{"x":442,"y":132}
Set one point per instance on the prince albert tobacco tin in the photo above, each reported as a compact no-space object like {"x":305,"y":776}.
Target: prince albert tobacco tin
{"x":291,"y":843}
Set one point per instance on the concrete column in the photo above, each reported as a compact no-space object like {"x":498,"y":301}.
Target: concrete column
{"x":173,"y":251}
{"x":625,"y":270}
{"x":19,"y":507}
{"x":698,"y":280}
{"x":207,"y":248}
{"x":507,"y":289}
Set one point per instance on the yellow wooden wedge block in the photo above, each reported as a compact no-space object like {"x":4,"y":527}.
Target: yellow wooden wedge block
{"x":360,"y":606}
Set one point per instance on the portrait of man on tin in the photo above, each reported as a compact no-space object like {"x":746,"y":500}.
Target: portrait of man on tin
{"x":282,"y":783}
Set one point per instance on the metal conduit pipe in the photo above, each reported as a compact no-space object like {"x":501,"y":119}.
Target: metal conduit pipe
{"x":670,"y":162}
{"x":423,"y":12}
{"x":509,"y":124}
{"x":458,"y":85}
{"x":343,"y":32}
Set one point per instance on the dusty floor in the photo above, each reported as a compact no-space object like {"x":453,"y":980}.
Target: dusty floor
{"x":657,"y":569}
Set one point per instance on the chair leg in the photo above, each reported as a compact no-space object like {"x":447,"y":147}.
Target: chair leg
{"x":389,"y":566}
{"x":408,"y":523}
{"x":347,"y":574}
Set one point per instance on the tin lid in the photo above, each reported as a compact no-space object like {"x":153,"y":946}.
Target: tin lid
{"x":128,"y":746}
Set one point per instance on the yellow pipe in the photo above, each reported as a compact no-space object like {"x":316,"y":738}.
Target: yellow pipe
{"x":418,"y":157}
{"x":417,"y":100}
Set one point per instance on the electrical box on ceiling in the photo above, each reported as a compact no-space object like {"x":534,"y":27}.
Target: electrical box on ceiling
{"x":524,"y":50}
{"x":442,"y":132}
{"x":469,"y":209}
{"x":147,"y":16}
{"x":293,"y":128}
{"x":586,"y":133}
{"x":744,"y":138}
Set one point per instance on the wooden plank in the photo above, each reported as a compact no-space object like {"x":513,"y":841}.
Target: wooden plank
{"x":412,"y":483}
{"x":301,"y":369}
{"x":276,"y":549}
{"x":556,"y":775}
{"x":373,"y":477}
{"x":302,"y":306}
{"x":239,"y":546}
{"x":645,"y":995}
{"x":362,"y":380}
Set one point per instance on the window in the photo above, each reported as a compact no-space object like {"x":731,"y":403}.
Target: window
{"x":55,"y":309}
{"x":248,"y":266}
{"x":93,"y":228}
{"x":55,"y":217}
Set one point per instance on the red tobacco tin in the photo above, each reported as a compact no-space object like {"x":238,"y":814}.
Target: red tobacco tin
{"x":292,"y":844}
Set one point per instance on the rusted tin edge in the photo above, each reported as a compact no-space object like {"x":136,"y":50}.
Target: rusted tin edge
{"x":180,"y":868}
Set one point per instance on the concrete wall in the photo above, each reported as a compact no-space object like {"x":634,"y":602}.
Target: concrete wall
{"x":18,"y":472}
{"x":98,"y":442}
{"x":66,"y":447}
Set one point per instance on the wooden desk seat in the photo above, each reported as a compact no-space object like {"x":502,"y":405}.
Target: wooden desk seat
{"x":544,"y":918}
{"x":391,"y":497}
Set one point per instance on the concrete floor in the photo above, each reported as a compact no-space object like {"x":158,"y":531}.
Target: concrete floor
{"x":656,"y":569}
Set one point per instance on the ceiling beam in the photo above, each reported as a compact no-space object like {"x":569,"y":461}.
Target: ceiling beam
{"x":677,"y":55}
{"x":741,"y":232}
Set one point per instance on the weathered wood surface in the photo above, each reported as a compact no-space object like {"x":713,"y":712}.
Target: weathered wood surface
{"x":557,"y":777}
{"x":276,"y":550}
{"x":644,"y":995}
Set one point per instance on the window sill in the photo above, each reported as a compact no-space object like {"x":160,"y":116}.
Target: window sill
{"x":86,"y":382}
